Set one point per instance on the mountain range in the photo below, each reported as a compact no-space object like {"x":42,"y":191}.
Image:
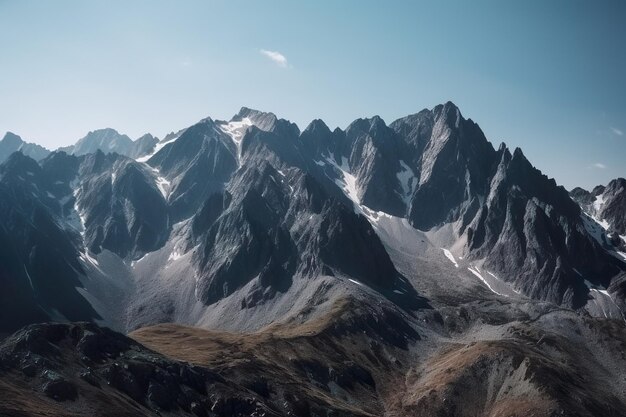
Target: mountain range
{"x":409,"y":268}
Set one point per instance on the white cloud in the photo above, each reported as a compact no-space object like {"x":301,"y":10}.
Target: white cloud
{"x":278,"y":58}
{"x":617,"y":131}
{"x":599,"y":165}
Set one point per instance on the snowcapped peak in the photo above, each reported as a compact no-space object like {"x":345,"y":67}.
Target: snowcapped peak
{"x":236,"y":129}
{"x":262,"y":120}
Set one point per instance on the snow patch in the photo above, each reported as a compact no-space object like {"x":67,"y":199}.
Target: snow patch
{"x":598,"y":203}
{"x":80,"y":225}
{"x":474,"y":270}
{"x":450,"y":256}
{"x":30,"y":280}
{"x":407,"y":182}
{"x":163,"y":184}
{"x":88,"y":259}
{"x":175,"y":255}
{"x":510,"y":286}
{"x":133,"y":263}
{"x":156,"y":149}
{"x":347,"y":182}
{"x":236,"y":131}
{"x":597,"y":229}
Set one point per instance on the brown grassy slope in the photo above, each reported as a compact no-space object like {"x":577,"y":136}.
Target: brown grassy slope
{"x":346,"y":360}
{"x":529,"y":372}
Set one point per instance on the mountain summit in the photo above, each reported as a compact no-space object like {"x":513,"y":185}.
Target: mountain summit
{"x":110,"y":140}
{"x":13,"y":143}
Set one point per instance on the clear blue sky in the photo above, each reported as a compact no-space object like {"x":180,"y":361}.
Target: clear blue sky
{"x":548,"y":76}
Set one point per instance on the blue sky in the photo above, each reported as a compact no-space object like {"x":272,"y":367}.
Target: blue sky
{"x":548,"y":77}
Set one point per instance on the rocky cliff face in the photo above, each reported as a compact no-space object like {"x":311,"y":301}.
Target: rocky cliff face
{"x":606,"y":203}
{"x":121,"y":208}
{"x":402,"y":269}
{"x":40,"y":259}
{"x":263,"y":209}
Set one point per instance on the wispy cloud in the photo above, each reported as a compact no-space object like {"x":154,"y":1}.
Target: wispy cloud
{"x":617,"y":131}
{"x":278,"y":58}
{"x":599,"y":165}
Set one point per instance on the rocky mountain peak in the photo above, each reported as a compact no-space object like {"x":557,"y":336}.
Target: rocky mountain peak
{"x":318,"y":139}
{"x":11,"y":139}
{"x":318,"y":126}
{"x":597,"y":190}
{"x":616,"y":185}
{"x":266,"y":121}
{"x":449,"y":113}
{"x":107,"y":140}
{"x":263,"y":120}
{"x":20,"y":165}
{"x":12,"y":143}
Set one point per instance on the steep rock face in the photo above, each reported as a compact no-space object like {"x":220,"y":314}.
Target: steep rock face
{"x":583,"y":197}
{"x":374,"y":159}
{"x":416,"y":130}
{"x":267,"y":121}
{"x":453,"y":166}
{"x":142,"y":146}
{"x":13,"y":143}
{"x":246,"y":243}
{"x":265,"y":209}
{"x":122,"y":208}
{"x":614,"y":205}
{"x":607,"y":205}
{"x":278,"y":225}
{"x":39,"y":268}
{"x":372,"y":153}
{"x":523,"y":226}
{"x":318,"y":140}
{"x":278,"y":146}
{"x":434,"y":168}
{"x":255,"y":232}
{"x":281,"y":217}
{"x":197,"y":164}
{"x":529,"y":229}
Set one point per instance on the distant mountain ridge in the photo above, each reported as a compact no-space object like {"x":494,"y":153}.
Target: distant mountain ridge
{"x":106,"y":140}
{"x":13,"y":143}
{"x":110,"y":140}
